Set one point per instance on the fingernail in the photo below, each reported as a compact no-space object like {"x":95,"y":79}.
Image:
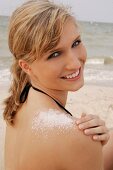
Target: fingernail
{"x":86,"y":131}
{"x":95,"y":137}
{"x":80,"y":126}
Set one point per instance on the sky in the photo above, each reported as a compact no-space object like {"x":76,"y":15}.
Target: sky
{"x":87,"y":10}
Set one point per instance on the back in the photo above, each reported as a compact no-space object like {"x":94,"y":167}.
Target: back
{"x":51,"y":141}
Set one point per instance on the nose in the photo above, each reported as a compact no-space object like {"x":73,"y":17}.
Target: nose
{"x":73,"y":61}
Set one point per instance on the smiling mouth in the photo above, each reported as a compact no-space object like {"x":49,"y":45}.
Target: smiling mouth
{"x":72,"y":76}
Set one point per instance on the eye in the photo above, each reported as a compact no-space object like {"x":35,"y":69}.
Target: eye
{"x":54,"y":55}
{"x":76,"y":43}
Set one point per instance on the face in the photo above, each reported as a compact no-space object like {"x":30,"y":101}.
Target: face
{"x":62,"y":68}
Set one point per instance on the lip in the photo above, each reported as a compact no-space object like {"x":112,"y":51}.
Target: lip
{"x":75,"y":78}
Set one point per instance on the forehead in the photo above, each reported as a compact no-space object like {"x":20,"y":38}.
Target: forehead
{"x":69,"y":34}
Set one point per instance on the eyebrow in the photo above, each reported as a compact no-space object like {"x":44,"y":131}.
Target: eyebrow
{"x":77,"y":38}
{"x":60,"y":48}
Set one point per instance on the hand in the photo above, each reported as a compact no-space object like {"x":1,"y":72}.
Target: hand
{"x":94,"y":126}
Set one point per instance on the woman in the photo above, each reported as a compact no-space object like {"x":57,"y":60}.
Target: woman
{"x":49,"y":59}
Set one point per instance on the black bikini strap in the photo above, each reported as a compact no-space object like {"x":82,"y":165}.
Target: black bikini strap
{"x":52,"y":98}
{"x":24,"y":93}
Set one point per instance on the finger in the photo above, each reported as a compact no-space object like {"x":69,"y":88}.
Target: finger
{"x":93,"y":123}
{"x":103,"y":138}
{"x":97,"y":130}
{"x":86,"y":118}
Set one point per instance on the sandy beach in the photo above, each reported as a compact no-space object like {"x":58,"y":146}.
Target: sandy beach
{"x":89,"y":99}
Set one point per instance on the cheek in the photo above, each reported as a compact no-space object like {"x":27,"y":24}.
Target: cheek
{"x":83,"y":54}
{"x":52,"y":70}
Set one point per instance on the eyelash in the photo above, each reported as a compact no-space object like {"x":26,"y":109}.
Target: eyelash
{"x":59,"y":52}
{"x":77,"y":41}
{"x":53,"y":55}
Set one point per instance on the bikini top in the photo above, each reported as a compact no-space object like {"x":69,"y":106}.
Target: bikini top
{"x":25,"y":92}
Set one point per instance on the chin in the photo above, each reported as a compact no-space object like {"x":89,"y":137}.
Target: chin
{"x":77,"y":86}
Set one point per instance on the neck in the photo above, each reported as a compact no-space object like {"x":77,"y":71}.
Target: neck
{"x":58,"y":95}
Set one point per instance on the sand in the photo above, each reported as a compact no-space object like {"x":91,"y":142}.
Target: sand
{"x":89,"y":99}
{"x":93,"y":100}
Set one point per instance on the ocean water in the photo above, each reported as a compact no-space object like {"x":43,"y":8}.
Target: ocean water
{"x":98,"y":39}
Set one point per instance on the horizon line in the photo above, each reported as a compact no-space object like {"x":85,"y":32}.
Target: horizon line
{"x":79,"y":20}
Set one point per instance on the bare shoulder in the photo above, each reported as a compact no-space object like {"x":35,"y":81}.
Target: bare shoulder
{"x":51,"y":120}
{"x":57,"y":143}
{"x":82,"y":152}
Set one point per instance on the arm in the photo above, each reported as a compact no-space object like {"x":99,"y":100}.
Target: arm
{"x":108,"y":153}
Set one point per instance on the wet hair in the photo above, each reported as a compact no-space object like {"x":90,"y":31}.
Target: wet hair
{"x":35,"y":28}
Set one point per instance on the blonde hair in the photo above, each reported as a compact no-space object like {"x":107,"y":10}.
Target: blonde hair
{"x":35,"y":27}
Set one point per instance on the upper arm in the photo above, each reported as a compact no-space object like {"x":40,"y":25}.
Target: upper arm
{"x":80,"y":152}
{"x":108,"y":153}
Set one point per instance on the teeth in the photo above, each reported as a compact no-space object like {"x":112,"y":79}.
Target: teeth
{"x":72,"y":75}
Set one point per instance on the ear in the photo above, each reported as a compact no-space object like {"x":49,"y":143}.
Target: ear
{"x":24,"y":66}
